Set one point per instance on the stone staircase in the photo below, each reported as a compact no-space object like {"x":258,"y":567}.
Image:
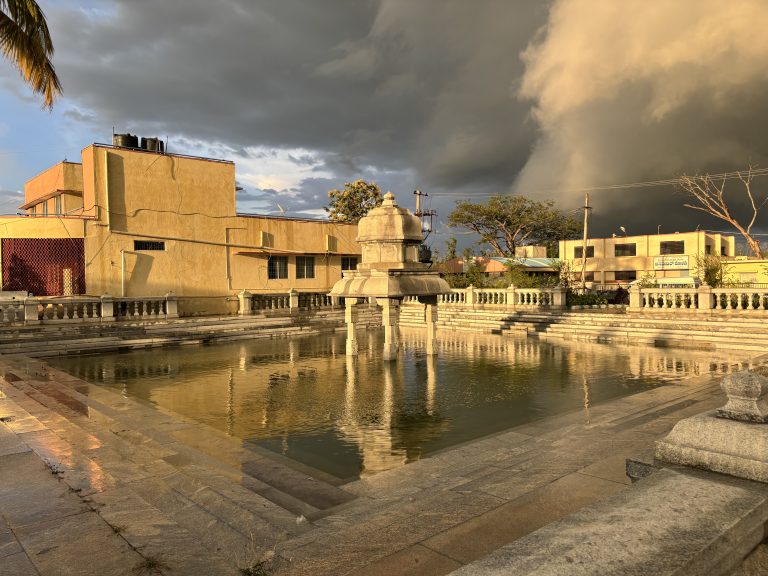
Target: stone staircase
{"x":745,"y":332}
{"x":161,"y":482}
{"x":68,"y":338}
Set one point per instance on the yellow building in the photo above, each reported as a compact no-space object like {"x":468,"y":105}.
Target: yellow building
{"x":623,"y":259}
{"x":746,"y":270}
{"x":138,"y":222}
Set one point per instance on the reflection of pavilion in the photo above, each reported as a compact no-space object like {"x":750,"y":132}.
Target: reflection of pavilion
{"x":301,"y":386}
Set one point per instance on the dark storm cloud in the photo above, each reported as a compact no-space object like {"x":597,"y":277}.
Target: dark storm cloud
{"x":395,"y":84}
{"x":433,"y":94}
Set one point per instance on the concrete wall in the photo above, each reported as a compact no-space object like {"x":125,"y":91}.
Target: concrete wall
{"x":648,"y":248}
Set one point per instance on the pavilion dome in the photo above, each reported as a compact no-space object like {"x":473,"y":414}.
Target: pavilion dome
{"x":389,"y":223}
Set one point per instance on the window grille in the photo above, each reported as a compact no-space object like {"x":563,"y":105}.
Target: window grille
{"x":578,"y":252}
{"x":305,"y":266}
{"x":625,"y":249}
{"x":277,"y":267}
{"x":146,"y":245}
{"x":673,"y":247}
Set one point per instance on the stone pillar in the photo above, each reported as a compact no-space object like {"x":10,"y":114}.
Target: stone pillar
{"x":471,"y":296}
{"x":635,"y":298}
{"x":511,"y":302}
{"x":30,"y":311}
{"x":430,"y":317}
{"x":293,"y":300}
{"x":390,"y":318}
{"x":245,"y":307}
{"x":107,"y":308}
{"x":171,"y":305}
{"x":350,"y":316}
{"x":705,"y":297}
{"x":558,"y":297}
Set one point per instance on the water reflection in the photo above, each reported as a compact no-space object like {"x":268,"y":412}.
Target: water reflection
{"x":348,"y":416}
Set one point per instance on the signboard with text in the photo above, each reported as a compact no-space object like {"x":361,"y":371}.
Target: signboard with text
{"x":670,"y":262}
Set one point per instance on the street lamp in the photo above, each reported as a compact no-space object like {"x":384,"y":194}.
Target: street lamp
{"x":623,"y":230}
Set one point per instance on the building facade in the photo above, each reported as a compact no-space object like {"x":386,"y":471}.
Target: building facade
{"x":138,"y":222}
{"x":624,"y":259}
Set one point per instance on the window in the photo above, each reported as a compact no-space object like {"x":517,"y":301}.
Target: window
{"x":625,"y":275}
{"x":349,"y":262}
{"x":673,"y":247}
{"x":33,"y":210}
{"x":625,"y":249}
{"x":723,"y":251}
{"x":277,"y":267}
{"x":45,"y":208}
{"x":708,"y":249}
{"x":305,"y":266}
{"x":140,"y":245}
{"x":588,"y":276}
{"x":578,"y":252}
{"x":57,"y":205}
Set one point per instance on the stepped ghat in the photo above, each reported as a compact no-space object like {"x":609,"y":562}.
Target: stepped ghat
{"x":390,"y":271}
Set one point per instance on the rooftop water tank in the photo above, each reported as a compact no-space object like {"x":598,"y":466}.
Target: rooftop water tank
{"x":127,"y":140}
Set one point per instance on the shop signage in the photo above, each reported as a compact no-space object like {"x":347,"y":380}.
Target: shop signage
{"x":670,"y":263}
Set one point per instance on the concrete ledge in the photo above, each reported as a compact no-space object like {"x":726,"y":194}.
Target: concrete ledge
{"x":671,"y":523}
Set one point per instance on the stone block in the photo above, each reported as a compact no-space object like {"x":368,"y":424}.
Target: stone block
{"x":712,"y":443}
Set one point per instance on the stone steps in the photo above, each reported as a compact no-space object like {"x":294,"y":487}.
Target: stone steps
{"x":138,"y":467}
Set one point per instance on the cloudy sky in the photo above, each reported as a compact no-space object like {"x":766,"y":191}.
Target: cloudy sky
{"x":460,"y":99}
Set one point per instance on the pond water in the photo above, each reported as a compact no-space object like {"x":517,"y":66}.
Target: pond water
{"x":304,"y":398}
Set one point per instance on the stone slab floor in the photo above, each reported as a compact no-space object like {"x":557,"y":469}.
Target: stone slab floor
{"x":95,"y":483}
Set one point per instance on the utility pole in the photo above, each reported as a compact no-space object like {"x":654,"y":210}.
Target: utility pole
{"x":423,"y":213}
{"x":587,"y":208}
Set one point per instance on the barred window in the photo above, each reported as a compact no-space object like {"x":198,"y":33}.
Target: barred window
{"x":625,"y":249}
{"x":578,"y":252}
{"x":625,"y":275}
{"x":277,"y":267}
{"x":349,"y":262}
{"x":145,"y":245}
{"x":305,"y":266}
{"x":673,"y":247}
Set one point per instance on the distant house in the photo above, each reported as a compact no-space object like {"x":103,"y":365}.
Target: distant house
{"x":531,"y":259}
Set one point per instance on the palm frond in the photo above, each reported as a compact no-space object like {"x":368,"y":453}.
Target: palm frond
{"x":26,"y":41}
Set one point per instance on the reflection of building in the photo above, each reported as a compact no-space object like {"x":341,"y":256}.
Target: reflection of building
{"x":623,"y":259}
{"x":144,"y":222}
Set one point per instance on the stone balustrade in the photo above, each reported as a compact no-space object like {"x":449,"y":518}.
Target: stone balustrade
{"x":251,"y":303}
{"x":60,"y":309}
{"x":510,"y":298}
{"x":703,"y":298}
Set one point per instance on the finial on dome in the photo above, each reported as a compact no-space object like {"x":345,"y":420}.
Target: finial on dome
{"x":389,"y":199}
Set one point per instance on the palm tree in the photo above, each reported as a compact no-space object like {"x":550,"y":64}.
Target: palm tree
{"x":25,"y":41}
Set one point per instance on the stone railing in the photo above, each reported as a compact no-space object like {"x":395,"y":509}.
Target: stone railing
{"x":61,"y":309}
{"x":251,"y":303}
{"x":747,"y":300}
{"x":510,"y":298}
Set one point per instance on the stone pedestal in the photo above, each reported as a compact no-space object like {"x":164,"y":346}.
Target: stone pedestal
{"x":171,"y":305}
{"x":107,"y":308}
{"x":390,"y":318}
{"x":731,"y":440}
{"x":430,"y":317}
{"x":350,"y":317}
{"x":246,"y":304}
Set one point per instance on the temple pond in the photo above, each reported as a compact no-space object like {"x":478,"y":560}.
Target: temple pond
{"x":349,"y":416}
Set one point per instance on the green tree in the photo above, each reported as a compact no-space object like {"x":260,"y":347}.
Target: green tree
{"x":26,"y":42}
{"x":353,"y":201}
{"x":712,"y":270}
{"x":450,"y":248}
{"x":505,"y":222}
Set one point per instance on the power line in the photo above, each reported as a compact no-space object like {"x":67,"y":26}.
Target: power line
{"x":624,"y":186}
